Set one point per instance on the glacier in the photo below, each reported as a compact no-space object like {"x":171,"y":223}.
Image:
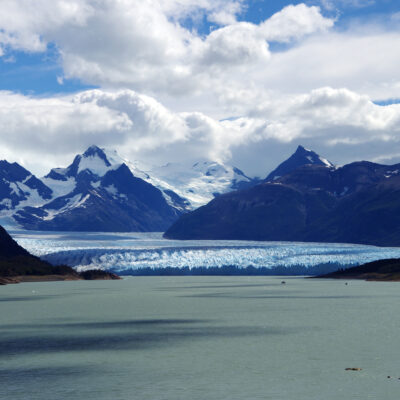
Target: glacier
{"x":124,"y":252}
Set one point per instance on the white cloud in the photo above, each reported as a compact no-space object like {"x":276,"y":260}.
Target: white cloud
{"x":41,"y":132}
{"x":361,"y":61}
{"x":293,"y":22}
{"x":226,"y":13}
{"x":138,"y":51}
{"x":233,"y":45}
{"x":48,"y":132}
{"x":26,"y":24}
{"x":328,"y":108}
{"x":142,"y":45}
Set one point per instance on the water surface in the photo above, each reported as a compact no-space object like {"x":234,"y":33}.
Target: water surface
{"x":199,"y":338}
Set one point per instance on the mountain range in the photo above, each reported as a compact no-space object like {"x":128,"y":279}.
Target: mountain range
{"x":100,"y":191}
{"x":306,"y":198}
{"x":313,"y":201}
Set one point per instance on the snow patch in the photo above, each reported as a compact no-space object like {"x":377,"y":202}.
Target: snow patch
{"x":7,"y":203}
{"x":15,"y":189}
{"x":112,"y":190}
{"x":93,"y":164}
{"x":75,"y":201}
{"x":60,"y":188}
{"x":27,"y":178}
{"x":389,"y":174}
{"x":326,"y":162}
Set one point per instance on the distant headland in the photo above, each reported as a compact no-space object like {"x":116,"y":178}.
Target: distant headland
{"x":381,"y":270}
{"x":18,"y":265}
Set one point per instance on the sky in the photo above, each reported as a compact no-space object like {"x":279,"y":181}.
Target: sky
{"x":235,"y":81}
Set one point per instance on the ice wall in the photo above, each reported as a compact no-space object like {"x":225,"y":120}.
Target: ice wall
{"x":124,"y":252}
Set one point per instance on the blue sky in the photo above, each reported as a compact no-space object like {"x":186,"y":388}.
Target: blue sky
{"x":235,"y":81}
{"x":36,"y":73}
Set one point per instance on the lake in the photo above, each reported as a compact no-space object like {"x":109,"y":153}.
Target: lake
{"x":200,"y":338}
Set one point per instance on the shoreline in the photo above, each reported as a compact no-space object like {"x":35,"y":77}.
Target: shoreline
{"x":366,"y":277}
{"x":8,"y":280}
{"x":387,"y":270}
{"x":38,"y":278}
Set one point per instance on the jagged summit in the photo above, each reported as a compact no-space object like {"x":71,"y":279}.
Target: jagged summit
{"x":184,"y":186}
{"x":311,"y":156}
{"x":100,"y":191}
{"x":95,"y":160}
{"x":94,"y":150}
{"x":18,"y":187}
{"x":96,"y":153}
{"x":311,"y":202}
{"x":300,"y":157}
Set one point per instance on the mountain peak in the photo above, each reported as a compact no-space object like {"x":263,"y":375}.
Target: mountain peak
{"x":300,"y":149}
{"x":94,"y":151}
{"x":300,"y":157}
{"x":98,"y":161}
{"x":95,"y":160}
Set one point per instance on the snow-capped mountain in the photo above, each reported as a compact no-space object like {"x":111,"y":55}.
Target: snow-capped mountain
{"x":302,"y":156}
{"x":99,"y":192}
{"x":98,"y":162}
{"x":102,"y":191}
{"x":314,"y":202}
{"x":200,"y":182}
{"x":19,"y":188}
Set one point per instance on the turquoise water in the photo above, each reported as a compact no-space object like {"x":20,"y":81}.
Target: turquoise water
{"x":200,"y":338}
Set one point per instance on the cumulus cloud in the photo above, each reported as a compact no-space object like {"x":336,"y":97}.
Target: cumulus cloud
{"x":56,"y":129}
{"x":244,"y":91}
{"x":328,"y":108}
{"x":141,"y":128}
{"x":226,"y":13}
{"x":293,"y":22}
{"x":363,"y":61}
{"x":26,"y":24}
{"x":38,"y":132}
{"x":145,"y":45}
{"x":232,"y":45}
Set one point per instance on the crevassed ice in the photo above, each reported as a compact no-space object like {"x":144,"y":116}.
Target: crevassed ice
{"x":124,"y":252}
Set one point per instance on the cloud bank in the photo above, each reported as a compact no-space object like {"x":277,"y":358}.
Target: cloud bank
{"x":140,"y":127}
{"x":242,"y":92}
